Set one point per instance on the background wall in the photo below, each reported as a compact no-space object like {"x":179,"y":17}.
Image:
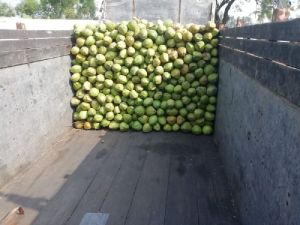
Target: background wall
{"x":183,"y":11}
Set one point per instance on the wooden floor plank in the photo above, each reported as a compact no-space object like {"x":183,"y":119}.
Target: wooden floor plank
{"x":63,"y":203}
{"x":182,"y":205}
{"x":119,"y":198}
{"x":213,"y":181}
{"x":94,"y":197}
{"x":202,"y":186}
{"x":148,"y":206}
{"x":137,"y":178}
{"x":37,"y":186}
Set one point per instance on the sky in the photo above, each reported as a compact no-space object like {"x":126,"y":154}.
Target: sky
{"x":247,"y":7}
{"x":11,"y":2}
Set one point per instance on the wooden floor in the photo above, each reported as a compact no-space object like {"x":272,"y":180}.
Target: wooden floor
{"x":138,"y":179}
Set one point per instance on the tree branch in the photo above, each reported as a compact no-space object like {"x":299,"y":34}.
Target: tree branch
{"x":224,"y":2}
{"x":217,"y":17}
{"x":226,"y":11}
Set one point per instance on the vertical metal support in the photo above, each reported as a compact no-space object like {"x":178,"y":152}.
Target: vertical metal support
{"x":212,"y":12}
{"x":133,"y":8}
{"x":103,"y":10}
{"x":179,"y":11}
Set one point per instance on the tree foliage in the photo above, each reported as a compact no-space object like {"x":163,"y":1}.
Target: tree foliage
{"x":87,"y":9}
{"x":28,"y":8}
{"x":6,"y":10}
{"x":266,"y":8}
{"x":56,"y":9}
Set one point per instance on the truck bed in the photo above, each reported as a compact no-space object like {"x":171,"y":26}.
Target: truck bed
{"x":137,"y":178}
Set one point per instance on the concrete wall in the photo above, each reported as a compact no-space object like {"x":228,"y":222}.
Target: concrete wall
{"x":183,"y":11}
{"x":258,"y":134}
{"x":34,"y":111}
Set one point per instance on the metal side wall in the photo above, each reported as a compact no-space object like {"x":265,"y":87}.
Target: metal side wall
{"x":258,"y":134}
{"x":258,"y":120}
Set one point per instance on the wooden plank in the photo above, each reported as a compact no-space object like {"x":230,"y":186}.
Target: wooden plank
{"x":13,"y":58}
{"x":216,"y":207}
{"x":36,"y":187}
{"x":116,"y":202}
{"x":99,"y":188}
{"x":149,"y":202}
{"x":284,"y":52}
{"x":126,"y":177}
{"x":197,"y":191}
{"x":157,"y":9}
{"x":202,"y":166}
{"x":25,"y":34}
{"x":61,"y":206}
{"x":94,"y":219}
{"x":182,"y":205}
{"x":285,"y":31}
{"x":32,"y":55}
{"x":283,"y":80}
{"x":15,"y":45}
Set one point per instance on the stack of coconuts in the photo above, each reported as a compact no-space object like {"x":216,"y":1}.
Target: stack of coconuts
{"x":145,"y":76}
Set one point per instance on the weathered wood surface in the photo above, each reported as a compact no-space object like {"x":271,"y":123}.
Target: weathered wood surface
{"x":16,"y":45}
{"x":182,"y":206}
{"x":99,"y":188}
{"x":65,"y":202}
{"x":56,"y":182}
{"x":284,"y":31}
{"x":25,"y":34}
{"x":148,"y":208}
{"x":116,"y":202}
{"x":136,"y":178}
{"x":283,"y":80}
{"x":25,"y":56}
{"x":284,"y":52}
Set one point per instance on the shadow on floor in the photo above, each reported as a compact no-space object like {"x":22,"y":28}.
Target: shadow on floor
{"x":155,"y":178}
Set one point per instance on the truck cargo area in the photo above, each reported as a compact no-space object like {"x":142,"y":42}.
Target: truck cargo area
{"x":246,"y":173}
{"x":157,"y":178}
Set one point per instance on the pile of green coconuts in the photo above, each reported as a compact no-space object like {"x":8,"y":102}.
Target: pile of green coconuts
{"x":145,"y":76}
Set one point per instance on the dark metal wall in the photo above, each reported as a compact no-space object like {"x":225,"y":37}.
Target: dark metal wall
{"x":258,"y":120}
